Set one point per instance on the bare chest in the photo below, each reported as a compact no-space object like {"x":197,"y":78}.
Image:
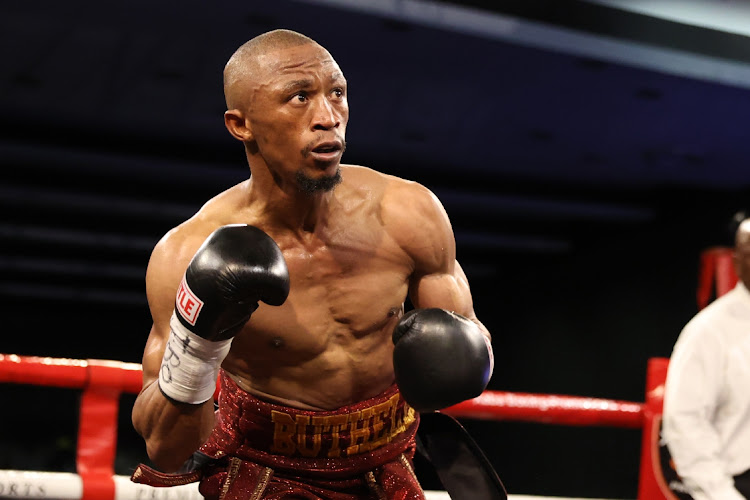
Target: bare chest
{"x":344,"y":287}
{"x":354,"y":279}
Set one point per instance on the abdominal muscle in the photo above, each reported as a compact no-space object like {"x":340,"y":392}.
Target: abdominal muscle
{"x":329,"y":344}
{"x":314,"y":368}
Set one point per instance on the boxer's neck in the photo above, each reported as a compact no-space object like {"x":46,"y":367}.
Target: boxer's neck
{"x":291,"y":209}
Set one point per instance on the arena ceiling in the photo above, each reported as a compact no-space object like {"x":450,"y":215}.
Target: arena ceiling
{"x":536,"y":123}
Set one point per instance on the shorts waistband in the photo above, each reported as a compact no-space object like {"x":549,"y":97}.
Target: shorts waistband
{"x":244,"y":421}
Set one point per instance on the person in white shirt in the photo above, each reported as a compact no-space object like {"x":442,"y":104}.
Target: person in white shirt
{"x":706,"y":420}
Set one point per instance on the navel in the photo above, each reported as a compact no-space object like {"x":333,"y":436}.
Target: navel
{"x":277,"y":342}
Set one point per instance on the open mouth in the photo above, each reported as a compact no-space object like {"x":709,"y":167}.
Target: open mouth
{"x":328,"y":147}
{"x":327,"y":152}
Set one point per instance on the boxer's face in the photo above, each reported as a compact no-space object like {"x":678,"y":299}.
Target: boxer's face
{"x":298,"y":114}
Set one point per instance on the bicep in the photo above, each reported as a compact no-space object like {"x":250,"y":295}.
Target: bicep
{"x":447,"y":289}
{"x":165,"y":269}
{"x":423,"y":230}
{"x":152,"y":355}
{"x":438,"y":279}
{"x":161,"y":305}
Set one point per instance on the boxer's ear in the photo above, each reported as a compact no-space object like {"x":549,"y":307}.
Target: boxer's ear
{"x":234,"y":120}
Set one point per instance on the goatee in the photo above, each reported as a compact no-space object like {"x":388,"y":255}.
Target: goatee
{"x":309,"y":185}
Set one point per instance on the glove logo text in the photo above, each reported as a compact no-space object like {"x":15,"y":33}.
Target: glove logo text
{"x":188,"y":304}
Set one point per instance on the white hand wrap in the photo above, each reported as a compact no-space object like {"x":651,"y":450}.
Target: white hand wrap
{"x":190,"y":365}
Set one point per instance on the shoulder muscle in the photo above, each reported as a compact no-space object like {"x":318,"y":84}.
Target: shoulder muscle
{"x":169,"y":259}
{"x":418,"y":222}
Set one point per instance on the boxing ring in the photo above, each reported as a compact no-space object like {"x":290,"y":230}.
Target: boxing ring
{"x":102,"y":382}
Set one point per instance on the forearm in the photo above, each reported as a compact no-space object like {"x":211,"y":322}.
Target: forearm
{"x":706,"y":478}
{"x":233,"y":269}
{"x":172,"y":431}
{"x":481,"y":326}
{"x":693,"y":444}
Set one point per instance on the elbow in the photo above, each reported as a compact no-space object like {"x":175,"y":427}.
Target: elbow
{"x":165,"y":458}
{"x":171,"y":433}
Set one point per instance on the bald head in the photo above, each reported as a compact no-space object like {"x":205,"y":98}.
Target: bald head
{"x":742,"y":252}
{"x":243,"y":63}
{"x":742,"y":238}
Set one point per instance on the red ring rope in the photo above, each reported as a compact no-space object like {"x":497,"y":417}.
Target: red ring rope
{"x":551,"y":409}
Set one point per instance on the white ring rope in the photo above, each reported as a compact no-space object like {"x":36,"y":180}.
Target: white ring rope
{"x":68,"y":486}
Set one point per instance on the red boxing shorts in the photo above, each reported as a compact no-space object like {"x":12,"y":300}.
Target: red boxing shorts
{"x":265,"y":450}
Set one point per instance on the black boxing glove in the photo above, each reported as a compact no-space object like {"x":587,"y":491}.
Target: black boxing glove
{"x":237,"y":266}
{"x":440,"y":359}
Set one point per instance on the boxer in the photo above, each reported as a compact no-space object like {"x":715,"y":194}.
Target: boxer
{"x":291,"y":288}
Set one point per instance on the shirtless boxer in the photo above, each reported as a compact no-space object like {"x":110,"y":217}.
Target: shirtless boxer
{"x":290,"y":287}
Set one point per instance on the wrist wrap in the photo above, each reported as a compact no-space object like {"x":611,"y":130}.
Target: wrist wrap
{"x":190,"y":365}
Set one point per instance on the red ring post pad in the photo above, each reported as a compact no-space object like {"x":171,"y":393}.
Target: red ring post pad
{"x":102,"y":382}
{"x":550,"y":409}
{"x":97,"y":424}
{"x":653,"y":477}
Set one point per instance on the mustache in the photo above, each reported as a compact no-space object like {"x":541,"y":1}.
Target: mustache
{"x":311,"y":145}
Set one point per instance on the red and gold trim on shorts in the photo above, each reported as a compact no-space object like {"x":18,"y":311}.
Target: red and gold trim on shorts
{"x":340,"y":435}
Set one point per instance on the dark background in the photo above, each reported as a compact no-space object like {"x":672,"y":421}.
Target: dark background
{"x":585,"y":154}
